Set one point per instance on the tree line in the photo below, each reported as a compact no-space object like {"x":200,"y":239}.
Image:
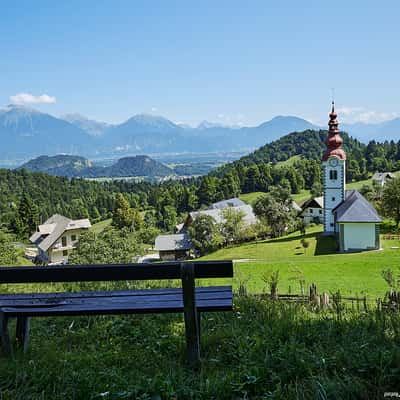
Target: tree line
{"x":27,"y":199}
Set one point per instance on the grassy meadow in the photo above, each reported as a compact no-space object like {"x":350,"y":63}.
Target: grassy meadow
{"x":352,"y":274}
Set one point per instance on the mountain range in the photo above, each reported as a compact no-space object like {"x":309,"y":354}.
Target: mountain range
{"x":26,"y":132}
{"x":76,"y":166}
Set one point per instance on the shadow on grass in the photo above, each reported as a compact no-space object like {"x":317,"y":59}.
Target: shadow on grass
{"x":293,"y":238}
{"x":325,"y":245}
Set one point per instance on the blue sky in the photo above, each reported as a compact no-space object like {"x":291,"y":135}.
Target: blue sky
{"x":236,"y":62}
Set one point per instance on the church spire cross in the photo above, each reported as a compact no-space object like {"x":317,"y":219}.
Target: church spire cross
{"x":334,"y":141}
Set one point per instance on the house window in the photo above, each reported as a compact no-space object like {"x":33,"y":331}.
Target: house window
{"x":65,"y":253}
{"x":333,"y":175}
{"x":64,"y":241}
{"x":73,"y":238}
{"x":311,"y":210}
{"x":320,"y":211}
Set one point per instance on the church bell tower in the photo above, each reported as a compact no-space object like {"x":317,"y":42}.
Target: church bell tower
{"x":334,"y":173}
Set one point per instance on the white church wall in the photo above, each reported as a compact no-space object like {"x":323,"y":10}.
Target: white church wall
{"x":359,"y":236}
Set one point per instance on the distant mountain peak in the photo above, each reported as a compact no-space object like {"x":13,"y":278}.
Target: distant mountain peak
{"x":20,"y":109}
{"x":207,"y":124}
{"x":92,"y":127}
{"x":150,"y":119}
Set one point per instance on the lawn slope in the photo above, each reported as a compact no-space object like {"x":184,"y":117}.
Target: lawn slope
{"x":358,"y":273}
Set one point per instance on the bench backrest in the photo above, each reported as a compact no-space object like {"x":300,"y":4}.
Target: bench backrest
{"x":115,"y":272}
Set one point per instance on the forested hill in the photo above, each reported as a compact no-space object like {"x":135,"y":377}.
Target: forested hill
{"x":59,"y":165}
{"x":75,"y":166}
{"x":310,"y":145}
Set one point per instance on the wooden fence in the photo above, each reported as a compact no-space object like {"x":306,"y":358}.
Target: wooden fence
{"x":324,"y":300}
{"x":391,"y":236}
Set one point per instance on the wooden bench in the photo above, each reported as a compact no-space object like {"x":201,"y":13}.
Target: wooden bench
{"x":188,"y":299}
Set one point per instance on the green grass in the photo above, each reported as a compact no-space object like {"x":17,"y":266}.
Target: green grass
{"x":250,"y":198}
{"x":301,"y":197}
{"x":359,"y":184}
{"x":262,"y":350}
{"x":358,"y":273}
{"x":100,"y":226}
{"x":289,"y":162}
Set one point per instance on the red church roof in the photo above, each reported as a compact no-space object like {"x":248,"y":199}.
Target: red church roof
{"x":334,"y":141}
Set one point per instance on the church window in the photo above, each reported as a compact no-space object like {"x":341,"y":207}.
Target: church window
{"x":333,"y":175}
{"x":333,"y":198}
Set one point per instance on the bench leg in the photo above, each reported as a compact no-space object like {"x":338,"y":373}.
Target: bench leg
{"x":190,"y":314}
{"x":5,"y":337}
{"x":199,"y":324}
{"x":22,"y":332}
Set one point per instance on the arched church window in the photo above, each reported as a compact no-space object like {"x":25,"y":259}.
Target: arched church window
{"x":333,"y":175}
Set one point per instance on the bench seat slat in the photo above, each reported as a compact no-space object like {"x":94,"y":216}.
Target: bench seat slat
{"x":118,"y":308}
{"x":109,"y":293}
{"x":128,"y":297}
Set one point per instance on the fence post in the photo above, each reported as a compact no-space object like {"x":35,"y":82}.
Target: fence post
{"x":190,"y":315}
{"x":313,"y":292}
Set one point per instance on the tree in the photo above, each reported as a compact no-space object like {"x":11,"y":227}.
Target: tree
{"x":207,"y":191}
{"x":391,"y":200}
{"x":108,"y":247}
{"x":275,"y":210}
{"x":204,"y":234}
{"x":169,"y":220}
{"x":252,"y":179}
{"x":316,"y":189}
{"x":8,"y":253}
{"x":27,"y":218}
{"x":124,"y":216}
{"x":232,"y":227}
{"x":305,"y":243}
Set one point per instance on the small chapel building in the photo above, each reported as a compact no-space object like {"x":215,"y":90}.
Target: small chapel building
{"x":347,"y":213}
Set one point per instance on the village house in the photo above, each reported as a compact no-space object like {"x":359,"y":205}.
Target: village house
{"x":380,"y":178}
{"x":215,"y":211}
{"x":57,"y":237}
{"x":313,"y":210}
{"x":173,"y":247}
{"x":347,"y":214}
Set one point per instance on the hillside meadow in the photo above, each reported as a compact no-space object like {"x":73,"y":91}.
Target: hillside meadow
{"x":351,"y":274}
{"x":304,"y":194}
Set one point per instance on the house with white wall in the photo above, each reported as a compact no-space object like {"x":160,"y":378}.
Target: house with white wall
{"x":57,"y":237}
{"x":380,"y":178}
{"x":313,"y":210}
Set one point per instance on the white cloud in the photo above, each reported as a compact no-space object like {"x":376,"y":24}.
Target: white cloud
{"x":154,"y":109}
{"x":28,"y":98}
{"x":361,"y":114}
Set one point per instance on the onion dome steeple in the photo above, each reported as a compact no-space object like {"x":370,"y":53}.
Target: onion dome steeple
{"x":334,"y":141}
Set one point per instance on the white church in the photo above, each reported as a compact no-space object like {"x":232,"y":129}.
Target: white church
{"x":347,"y":213}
